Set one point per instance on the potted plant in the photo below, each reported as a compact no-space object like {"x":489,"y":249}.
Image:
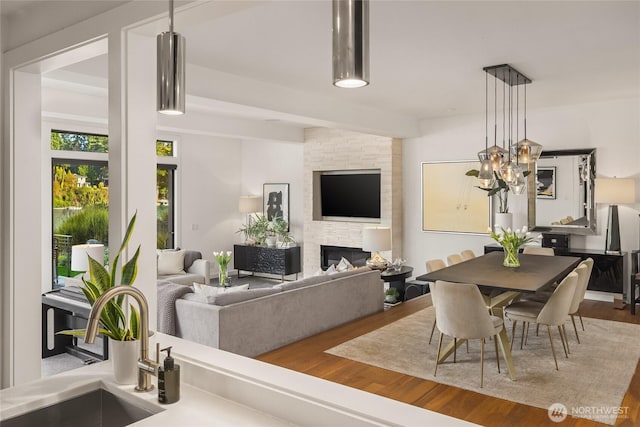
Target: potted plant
{"x":391,"y":295}
{"x":113,"y":319}
{"x":501,"y":190}
{"x":281,"y":229}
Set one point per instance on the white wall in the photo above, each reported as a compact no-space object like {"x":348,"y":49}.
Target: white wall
{"x":274,"y":162}
{"x":610,"y":126}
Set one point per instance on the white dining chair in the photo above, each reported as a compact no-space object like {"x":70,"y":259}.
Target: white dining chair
{"x":462,"y":314}
{"x":433,"y":265}
{"x":454,"y":259}
{"x":537,"y":250}
{"x":467,"y":254}
{"x":554,"y":313}
{"x":584,"y":272}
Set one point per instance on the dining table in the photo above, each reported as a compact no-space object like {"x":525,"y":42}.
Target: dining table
{"x":505,"y":283}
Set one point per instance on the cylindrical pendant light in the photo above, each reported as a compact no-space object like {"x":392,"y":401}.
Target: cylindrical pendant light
{"x":171,"y":70}
{"x":350,"y":43}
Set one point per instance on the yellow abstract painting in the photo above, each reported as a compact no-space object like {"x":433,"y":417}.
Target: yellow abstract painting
{"x":451,"y":201}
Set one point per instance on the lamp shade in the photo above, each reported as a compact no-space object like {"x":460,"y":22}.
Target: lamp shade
{"x":615,"y":191}
{"x":249,"y":204}
{"x":79,"y":253}
{"x":376,"y":239}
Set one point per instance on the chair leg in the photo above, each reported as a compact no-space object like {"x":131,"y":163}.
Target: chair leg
{"x":553,"y":351}
{"x":573,"y":320}
{"x":495,"y":341}
{"x":566,"y":338}
{"x":564,"y":344}
{"x":526,"y":334}
{"x":581,"y":324}
{"x":467,"y":342}
{"x":433,"y":328}
{"x":438,"y":354}
{"x":537,"y":329}
{"x":481,"y":362}
{"x":513,"y":334}
{"x":522,"y":337}
{"x":455,"y":347}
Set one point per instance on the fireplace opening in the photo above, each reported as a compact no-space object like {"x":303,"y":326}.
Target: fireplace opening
{"x":332,"y":255}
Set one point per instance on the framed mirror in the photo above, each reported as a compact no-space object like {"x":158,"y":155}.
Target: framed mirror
{"x":563,"y":193}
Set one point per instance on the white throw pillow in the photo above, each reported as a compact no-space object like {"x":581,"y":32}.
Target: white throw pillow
{"x":320,"y":272}
{"x":331,"y":270}
{"x":233,"y":289}
{"x":171,"y":262}
{"x":344,"y":265}
{"x":205,"y":290}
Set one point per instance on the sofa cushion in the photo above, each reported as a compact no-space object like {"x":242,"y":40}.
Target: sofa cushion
{"x":227,"y":298}
{"x":348,"y":273}
{"x":296,"y":284}
{"x":171,"y":262}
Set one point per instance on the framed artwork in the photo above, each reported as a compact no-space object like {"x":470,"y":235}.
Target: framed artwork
{"x":275,"y":198}
{"x":450,"y":200}
{"x":546,"y":183}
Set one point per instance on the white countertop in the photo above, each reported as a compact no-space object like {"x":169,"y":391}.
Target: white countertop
{"x":221,"y":388}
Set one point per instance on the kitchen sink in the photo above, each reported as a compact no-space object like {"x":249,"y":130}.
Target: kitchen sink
{"x":99,"y":408}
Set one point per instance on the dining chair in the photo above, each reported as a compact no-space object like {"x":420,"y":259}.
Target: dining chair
{"x":554,"y":313}
{"x":462,"y":314}
{"x":537,"y":250}
{"x":433,"y":265}
{"x":467,"y":254}
{"x":454,"y":259}
{"x":584,"y":274}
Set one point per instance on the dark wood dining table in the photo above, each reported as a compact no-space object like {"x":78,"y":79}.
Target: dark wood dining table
{"x":535,"y":272}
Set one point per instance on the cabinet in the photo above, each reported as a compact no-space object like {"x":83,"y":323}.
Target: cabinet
{"x":260,"y":259}
{"x":608,"y":273}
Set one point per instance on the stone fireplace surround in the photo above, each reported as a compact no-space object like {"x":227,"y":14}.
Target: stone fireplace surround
{"x":336,"y":149}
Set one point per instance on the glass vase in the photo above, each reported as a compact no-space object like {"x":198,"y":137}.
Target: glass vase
{"x":511,"y":257}
{"x":223,"y":276}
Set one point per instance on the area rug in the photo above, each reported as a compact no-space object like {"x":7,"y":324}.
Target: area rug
{"x":591,"y":383}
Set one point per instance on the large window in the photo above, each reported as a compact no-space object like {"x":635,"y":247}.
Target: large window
{"x":80,"y":195}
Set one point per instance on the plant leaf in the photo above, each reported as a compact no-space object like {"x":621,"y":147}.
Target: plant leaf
{"x":99,"y":275}
{"x":130,"y":269}
{"x":134,"y":321}
{"x":494,"y":191}
{"x":473,"y":172}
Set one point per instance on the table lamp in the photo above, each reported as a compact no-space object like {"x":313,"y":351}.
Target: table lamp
{"x":79,"y":254}
{"x":249,"y":205}
{"x":375,"y":240}
{"x":614,"y":191}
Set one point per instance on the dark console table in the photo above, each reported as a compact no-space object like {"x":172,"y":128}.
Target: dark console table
{"x":608,"y":269}
{"x":261,"y":259}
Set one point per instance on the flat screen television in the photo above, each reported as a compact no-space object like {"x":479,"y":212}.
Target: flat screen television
{"x":349,"y":194}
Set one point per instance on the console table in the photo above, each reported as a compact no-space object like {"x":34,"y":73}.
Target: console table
{"x":261,"y":259}
{"x":609,"y":270}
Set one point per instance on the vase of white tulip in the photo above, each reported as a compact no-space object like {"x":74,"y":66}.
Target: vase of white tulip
{"x":223,"y":258}
{"x":511,"y":241}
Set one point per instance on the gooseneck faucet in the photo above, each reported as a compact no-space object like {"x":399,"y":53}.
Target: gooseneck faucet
{"x":146,"y":367}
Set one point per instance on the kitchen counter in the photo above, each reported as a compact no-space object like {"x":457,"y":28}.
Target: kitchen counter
{"x":221,"y":388}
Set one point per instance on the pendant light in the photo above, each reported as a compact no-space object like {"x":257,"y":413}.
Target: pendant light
{"x":494,"y":153}
{"x":509,"y":169}
{"x":528,"y":151}
{"x":350,"y":43}
{"x":171,"y":70}
{"x":519,"y":184}
{"x":485,"y":177}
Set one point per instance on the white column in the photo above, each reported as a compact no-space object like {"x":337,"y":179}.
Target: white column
{"x":132,"y":158}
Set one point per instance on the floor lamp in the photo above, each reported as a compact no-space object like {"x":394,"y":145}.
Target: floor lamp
{"x":614,"y":191}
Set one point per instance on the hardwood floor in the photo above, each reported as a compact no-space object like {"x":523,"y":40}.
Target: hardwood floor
{"x":308,"y":356}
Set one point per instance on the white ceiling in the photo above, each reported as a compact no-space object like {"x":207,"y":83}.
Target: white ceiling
{"x":426,"y":56}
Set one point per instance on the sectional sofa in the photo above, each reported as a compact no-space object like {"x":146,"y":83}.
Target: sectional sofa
{"x":255,"y":321}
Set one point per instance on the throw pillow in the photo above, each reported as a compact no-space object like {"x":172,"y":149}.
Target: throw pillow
{"x":206,"y":290}
{"x":331,"y":270}
{"x":171,"y":262}
{"x":233,"y":289}
{"x":320,"y":272}
{"x":344,"y":265}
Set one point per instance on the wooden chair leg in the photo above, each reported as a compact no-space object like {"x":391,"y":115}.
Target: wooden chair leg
{"x":553,"y":351}
{"x":513,"y":334}
{"x":438,"y":354}
{"x":573,"y":320}
{"x":481,"y":362}
{"x":433,"y":328}
{"x":495,"y":341}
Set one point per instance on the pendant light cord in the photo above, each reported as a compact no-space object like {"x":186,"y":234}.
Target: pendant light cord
{"x":517,"y":116}
{"x":495,"y":109}
{"x":510,"y":113}
{"x":171,"y":16}
{"x":525,"y":110}
{"x":503,"y":111}
{"x":486,"y":115}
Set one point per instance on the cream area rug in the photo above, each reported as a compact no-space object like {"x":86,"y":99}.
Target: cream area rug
{"x":591,"y":383}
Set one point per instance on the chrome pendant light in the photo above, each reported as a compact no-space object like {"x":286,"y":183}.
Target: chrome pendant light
{"x":171,"y":70}
{"x":350,"y":43}
{"x":519,"y":184}
{"x":485,"y":176}
{"x":509,"y":170}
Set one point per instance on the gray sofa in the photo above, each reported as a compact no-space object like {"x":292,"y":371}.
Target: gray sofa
{"x":195,"y":269}
{"x":256,"y":321}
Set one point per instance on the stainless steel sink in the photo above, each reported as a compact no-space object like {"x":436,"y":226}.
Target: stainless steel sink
{"x":98,"y":408}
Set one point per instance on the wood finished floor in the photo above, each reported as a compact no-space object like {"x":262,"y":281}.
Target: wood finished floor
{"x":308,"y":356}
